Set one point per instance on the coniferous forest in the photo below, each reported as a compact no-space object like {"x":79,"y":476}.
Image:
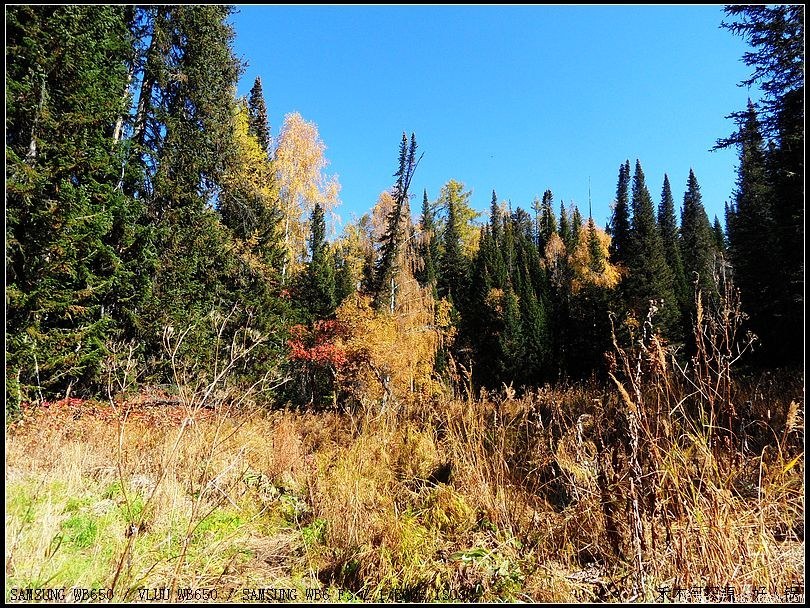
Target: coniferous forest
{"x":207,"y":394}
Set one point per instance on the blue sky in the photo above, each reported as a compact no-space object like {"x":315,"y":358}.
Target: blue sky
{"x":512,"y":98}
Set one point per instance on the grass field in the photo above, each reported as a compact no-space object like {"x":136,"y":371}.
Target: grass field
{"x":589,"y":492}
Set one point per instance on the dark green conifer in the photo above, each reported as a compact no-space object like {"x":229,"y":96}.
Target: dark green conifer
{"x":619,"y":227}
{"x":318,"y":288}
{"x":650,"y":278}
{"x":565,"y":225}
{"x":78,"y":256}
{"x":258,"y":125}
{"x":671,"y":240}
{"x":697,"y":241}
{"x":548,"y":221}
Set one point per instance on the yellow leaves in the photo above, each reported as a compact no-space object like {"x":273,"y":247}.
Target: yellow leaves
{"x":379,"y":215}
{"x":251,"y":171}
{"x":581,"y":263}
{"x":494,"y":300}
{"x":391,"y":355}
{"x":299,"y":164}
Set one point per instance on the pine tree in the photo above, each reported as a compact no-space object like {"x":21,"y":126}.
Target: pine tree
{"x":184,"y":136}
{"x":596,"y":255}
{"x":510,"y":340}
{"x":698,"y":248}
{"x":671,"y":241}
{"x":344,"y":279}
{"x":650,"y":277}
{"x":619,"y":228}
{"x":576,"y":227}
{"x":259,"y":125}
{"x":529,"y":285}
{"x":397,"y":233}
{"x":483,"y":323}
{"x":78,"y":257}
{"x":777,"y":35}
{"x":495,"y":217}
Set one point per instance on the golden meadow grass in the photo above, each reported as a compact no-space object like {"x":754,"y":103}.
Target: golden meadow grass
{"x":537,"y":498}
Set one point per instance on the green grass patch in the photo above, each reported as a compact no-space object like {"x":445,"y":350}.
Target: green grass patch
{"x":80,"y":531}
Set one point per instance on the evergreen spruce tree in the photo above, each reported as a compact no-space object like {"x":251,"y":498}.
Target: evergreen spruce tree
{"x":777,"y":35}
{"x":697,"y":240}
{"x":619,"y":227}
{"x":751,"y":231}
{"x":719,"y":236}
{"x":483,"y":322}
{"x":576,"y":228}
{"x":548,"y":221}
{"x":510,"y":339}
{"x":533,"y":316}
{"x":595,"y":254}
{"x":650,"y":278}
{"x":319,"y":284}
{"x":258,"y":123}
{"x":429,"y":245}
{"x":495,"y":217}
{"x":452,"y":279}
{"x":565,"y":226}
{"x":184,"y":137}
{"x":397,"y":231}
{"x":671,"y":240}
{"x":77,"y":251}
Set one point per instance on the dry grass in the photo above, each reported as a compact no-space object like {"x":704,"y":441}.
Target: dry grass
{"x":669,"y":477}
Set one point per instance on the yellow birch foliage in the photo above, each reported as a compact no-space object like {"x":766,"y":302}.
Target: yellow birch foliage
{"x":300,"y":163}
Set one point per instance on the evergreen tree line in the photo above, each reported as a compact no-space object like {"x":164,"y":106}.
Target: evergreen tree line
{"x":532,"y":302}
{"x":149,"y":219}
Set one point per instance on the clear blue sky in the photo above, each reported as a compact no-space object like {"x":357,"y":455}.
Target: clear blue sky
{"x":512,"y":98}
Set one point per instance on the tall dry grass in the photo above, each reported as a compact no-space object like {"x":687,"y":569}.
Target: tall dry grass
{"x":674,"y":475}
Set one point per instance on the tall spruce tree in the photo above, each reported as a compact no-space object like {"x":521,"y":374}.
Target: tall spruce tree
{"x":719,"y":236}
{"x":650,"y":277}
{"x":777,"y":35}
{"x":671,"y":240}
{"x":77,"y":252}
{"x":319,"y":286}
{"x":619,"y":227}
{"x":596,"y":256}
{"x":258,"y":123}
{"x":397,"y":232}
{"x":453,"y":268}
{"x":750,"y":226}
{"x":548,"y":221}
{"x":698,"y":247}
{"x":184,"y":133}
{"x":429,"y":244}
{"x":565,"y":226}
{"x":576,"y":227}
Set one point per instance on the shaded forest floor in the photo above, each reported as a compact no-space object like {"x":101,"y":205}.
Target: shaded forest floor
{"x":500,"y":499}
